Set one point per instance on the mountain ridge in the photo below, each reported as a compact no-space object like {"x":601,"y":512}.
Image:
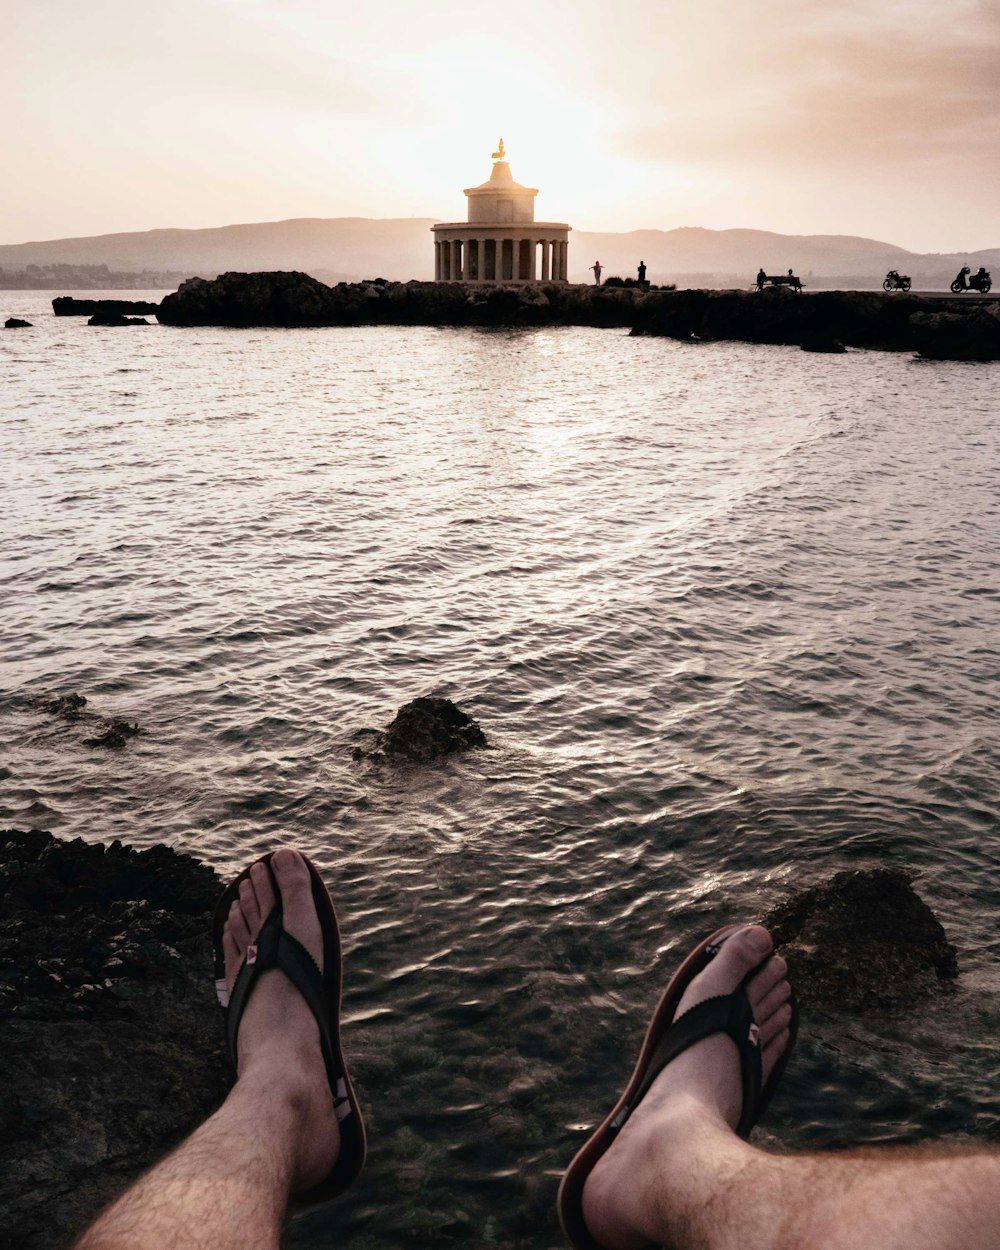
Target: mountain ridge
{"x":399,"y":248}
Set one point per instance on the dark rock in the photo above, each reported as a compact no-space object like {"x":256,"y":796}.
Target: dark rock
{"x":115,"y":319}
{"x":115,"y":736}
{"x":777,"y":315}
{"x":67,"y":705}
{"x":69,"y":306}
{"x":425,"y":729}
{"x":296,"y":299}
{"x":969,"y":335}
{"x":109,"y":1028}
{"x":15,"y":323}
{"x":862,"y":940}
{"x":829,"y":347}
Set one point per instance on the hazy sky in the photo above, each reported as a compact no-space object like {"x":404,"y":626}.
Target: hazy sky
{"x":872,"y":117}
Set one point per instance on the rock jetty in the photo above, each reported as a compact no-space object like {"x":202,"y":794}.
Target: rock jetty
{"x":16,"y":323}
{"x":109,"y":1028}
{"x":296,"y":299}
{"x":944,"y":327}
{"x":70,"y":306}
{"x":827,"y":321}
{"x":862,"y":940}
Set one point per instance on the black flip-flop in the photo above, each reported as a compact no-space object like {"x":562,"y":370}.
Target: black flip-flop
{"x":665,"y":1039}
{"x":274,"y":948}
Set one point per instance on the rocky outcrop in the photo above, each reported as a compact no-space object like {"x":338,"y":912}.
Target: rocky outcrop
{"x":69,"y":306}
{"x":16,"y":323}
{"x":971,"y":335}
{"x":424,"y":730}
{"x":296,"y":299}
{"x":823,"y":321}
{"x":109,"y":1028}
{"x":862,"y":940}
{"x":115,"y":319}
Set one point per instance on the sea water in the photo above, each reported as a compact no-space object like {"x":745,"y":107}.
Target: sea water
{"x":728,"y":617}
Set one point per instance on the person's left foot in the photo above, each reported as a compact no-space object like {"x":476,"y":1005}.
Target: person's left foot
{"x":279,"y":1047}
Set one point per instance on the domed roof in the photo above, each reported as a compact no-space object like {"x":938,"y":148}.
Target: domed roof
{"x":501,"y":180}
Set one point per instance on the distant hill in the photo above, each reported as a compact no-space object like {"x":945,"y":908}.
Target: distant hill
{"x":350,"y":248}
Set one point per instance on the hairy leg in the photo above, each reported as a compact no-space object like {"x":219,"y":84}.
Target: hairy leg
{"x":227,"y":1185}
{"x":679,"y":1176}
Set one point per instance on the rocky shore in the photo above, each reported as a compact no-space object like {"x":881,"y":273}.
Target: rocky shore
{"x":828,"y":321}
{"x":109,"y":1028}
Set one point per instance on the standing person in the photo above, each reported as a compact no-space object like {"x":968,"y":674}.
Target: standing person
{"x":642,"y":273}
{"x":596,"y":266}
{"x":761,"y":278}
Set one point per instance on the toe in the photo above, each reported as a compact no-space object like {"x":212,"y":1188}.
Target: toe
{"x":295,"y":885}
{"x":249,"y":907}
{"x":775,"y":1026}
{"x":772,"y":1051}
{"x":738,"y":956}
{"x":765,"y":1007}
{"x":238,"y":926}
{"x":232,"y":954}
{"x":763,"y":982}
{"x":263,"y":888}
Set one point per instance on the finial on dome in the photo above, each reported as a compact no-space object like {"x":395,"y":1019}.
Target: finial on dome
{"x":499,"y":154}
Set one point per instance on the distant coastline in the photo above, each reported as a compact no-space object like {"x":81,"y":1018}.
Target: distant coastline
{"x":351,"y":249}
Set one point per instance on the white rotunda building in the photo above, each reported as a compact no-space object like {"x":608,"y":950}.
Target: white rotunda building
{"x":501,"y":241}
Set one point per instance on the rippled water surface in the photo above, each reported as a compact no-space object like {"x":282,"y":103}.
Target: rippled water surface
{"x":727,"y":614}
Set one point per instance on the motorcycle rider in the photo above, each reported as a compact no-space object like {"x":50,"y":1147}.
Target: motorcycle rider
{"x":980,"y":278}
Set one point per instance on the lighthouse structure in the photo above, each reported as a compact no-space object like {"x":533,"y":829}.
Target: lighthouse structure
{"x":500,"y":241}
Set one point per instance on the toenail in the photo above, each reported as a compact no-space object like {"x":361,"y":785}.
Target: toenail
{"x":758,"y":939}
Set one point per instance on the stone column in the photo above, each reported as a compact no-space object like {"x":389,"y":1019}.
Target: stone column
{"x":546,"y":259}
{"x":445,"y":247}
{"x":467,"y":261}
{"x":456,"y":260}
{"x":437,"y":261}
{"x":563,"y":248}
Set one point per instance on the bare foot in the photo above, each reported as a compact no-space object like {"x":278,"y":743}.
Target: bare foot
{"x":279,"y":1047}
{"x":700,"y":1089}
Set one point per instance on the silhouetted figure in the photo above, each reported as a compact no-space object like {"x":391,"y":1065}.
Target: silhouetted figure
{"x":761,"y":278}
{"x":642,"y":272}
{"x":960,"y":283}
{"x":596,"y":266}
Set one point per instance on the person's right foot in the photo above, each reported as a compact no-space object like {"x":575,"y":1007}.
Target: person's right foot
{"x":700,"y":1087}
{"x":279,"y":1049}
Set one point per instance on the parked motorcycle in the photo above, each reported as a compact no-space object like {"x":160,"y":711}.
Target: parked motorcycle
{"x":896,"y":282}
{"x":980,"y":281}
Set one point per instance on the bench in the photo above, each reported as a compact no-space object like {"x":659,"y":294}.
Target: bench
{"x":780,"y":279}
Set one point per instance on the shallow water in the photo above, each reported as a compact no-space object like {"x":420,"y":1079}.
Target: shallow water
{"x":726,"y":613}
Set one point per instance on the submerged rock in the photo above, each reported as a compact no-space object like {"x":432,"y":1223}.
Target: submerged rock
{"x":109,"y":1027}
{"x":425,"y":729}
{"x":68,"y":705}
{"x":864,"y":939}
{"x":16,"y":323}
{"x":70,"y":306}
{"x":115,"y":736}
{"x":115,"y":319}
